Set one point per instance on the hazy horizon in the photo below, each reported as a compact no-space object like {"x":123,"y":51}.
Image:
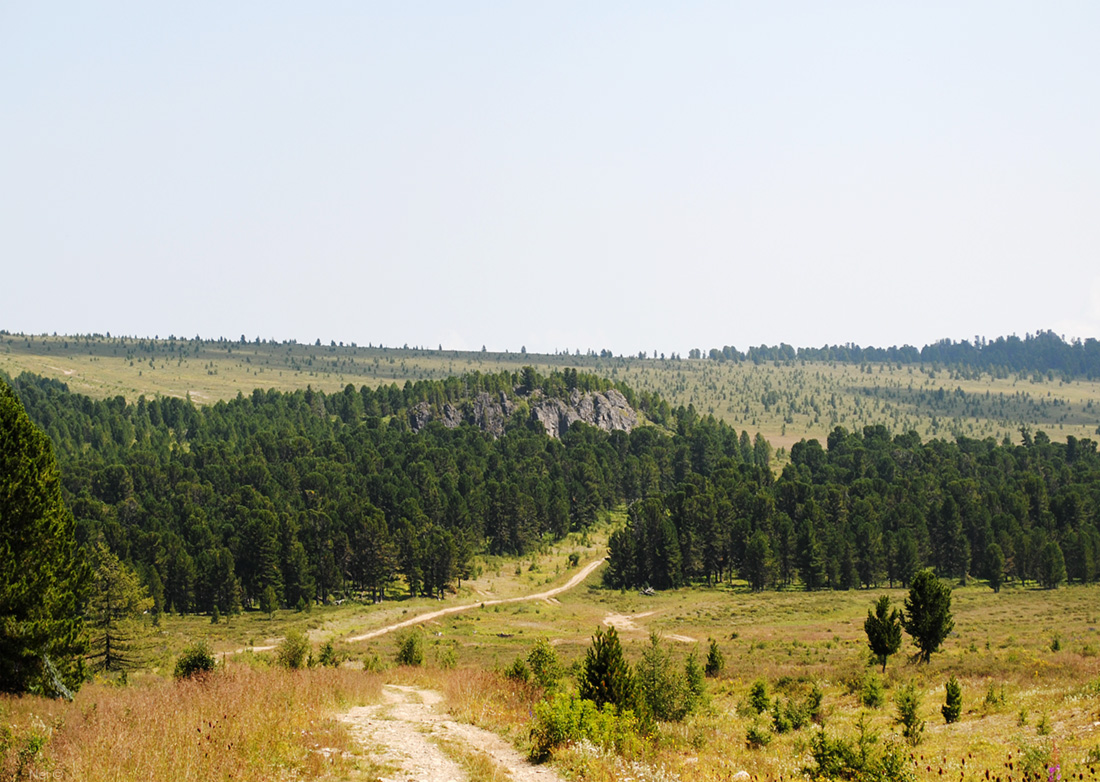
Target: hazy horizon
{"x":624,"y":177}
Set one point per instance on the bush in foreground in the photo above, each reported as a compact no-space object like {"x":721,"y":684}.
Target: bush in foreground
{"x":410,"y":649}
{"x":196,"y":661}
{"x":566,"y":719}
{"x":293,"y":650}
{"x":859,"y":759}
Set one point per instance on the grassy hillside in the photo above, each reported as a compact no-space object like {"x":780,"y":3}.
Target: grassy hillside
{"x":1027,"y":660}
{"x":785,"y":401}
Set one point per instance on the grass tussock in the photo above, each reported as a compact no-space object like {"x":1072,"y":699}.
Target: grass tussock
{"x":491,"y":701}
{"x":238,"y":724}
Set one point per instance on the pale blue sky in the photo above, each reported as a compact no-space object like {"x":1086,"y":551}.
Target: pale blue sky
{"x":561,"y":175}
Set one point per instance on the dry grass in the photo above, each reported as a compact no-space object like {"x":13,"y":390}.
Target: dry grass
{"x":269,"y":724}
{"x":792,"y":640}
{"x":239,"y":724}
{"x":478,"y":766}
{"x":491,"y":701}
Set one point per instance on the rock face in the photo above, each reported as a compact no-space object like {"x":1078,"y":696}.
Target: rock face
{"x":607,"y":410}
{"x":489,"y":414}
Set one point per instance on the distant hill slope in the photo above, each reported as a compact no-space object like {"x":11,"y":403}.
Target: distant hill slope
{"x":779,"y":392}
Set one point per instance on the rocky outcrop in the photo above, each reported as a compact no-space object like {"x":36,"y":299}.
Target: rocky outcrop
{"x":607,"y":410}
{"x":490,"y":414}
{"x":419,"y":416}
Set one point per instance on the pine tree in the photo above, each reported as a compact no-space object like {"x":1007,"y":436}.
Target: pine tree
{"x":606,"y":677}
{"x":927,"y":615}
{"x":883,"y":628}
{"x":660,"y":687}
{"x":716,"y":661}
{"x":43,"y":577}
{"x":117,"y":596}
{"x":952,"y":706}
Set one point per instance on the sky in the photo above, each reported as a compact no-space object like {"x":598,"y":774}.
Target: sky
{"x":556,"y":176}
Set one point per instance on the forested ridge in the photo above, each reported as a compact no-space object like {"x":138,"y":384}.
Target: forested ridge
{"x":1042,"y":352}
{"x":312,"y":495}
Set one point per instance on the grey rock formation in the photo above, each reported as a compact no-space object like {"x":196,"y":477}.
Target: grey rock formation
{"x":490,"y":414}
{"x":419,"y":416}
{"x":608,"y":411}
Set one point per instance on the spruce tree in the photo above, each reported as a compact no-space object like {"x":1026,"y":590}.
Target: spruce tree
{"x":927,"y":615}
{"x":883,"y":628}
{"x":43,"y":578}
{"x":952,"y":706}
{"x":606,"y":676}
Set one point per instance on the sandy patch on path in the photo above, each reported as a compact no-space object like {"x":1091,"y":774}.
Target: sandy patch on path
{"x":399,"y":732}
{"x":625,"y":623}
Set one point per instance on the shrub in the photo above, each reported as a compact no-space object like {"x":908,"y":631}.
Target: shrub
{"x":757,"y":736}
{"x":196,"y":660}
{"x":1035,"y":760}
{"x":518,"y":671}
{"x":446,"y":656}
{"x":952,"y":707}
{"x":715,"y":660}
{"x":291,"y":653}
{"x":781,"y":722}
{"x":758,"y":696}
{"x":328,"y":656}
{"x":563,"y":719}
{"x":908,"y":703}
{"x":543,"y":662}
{"x":871,"y":693}
{"x":695,"y":684}
{"x":813,"y":703}
{"x":660,"y":687}
{"x":269,"y":601}
{"x":839,"y":758}
{"x":795,"y":714}
{"x":993,"y":698}
{"x":410,"y":649}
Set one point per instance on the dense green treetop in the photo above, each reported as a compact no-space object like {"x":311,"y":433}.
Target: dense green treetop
{"x":312,"y":494}
{"x":42,"y":575}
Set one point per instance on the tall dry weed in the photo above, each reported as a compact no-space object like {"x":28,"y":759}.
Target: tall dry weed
{"x":239,"y":724}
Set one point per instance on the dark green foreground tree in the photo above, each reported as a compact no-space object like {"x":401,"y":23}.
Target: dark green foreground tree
{"x":927,"y":615}
{"x":42,"y":575}
{"x":606,"y":676}
{"x":883,"y":628}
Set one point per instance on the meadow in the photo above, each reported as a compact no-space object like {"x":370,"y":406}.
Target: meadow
{"x":1028,"y":661}
{"x":784,"y":401}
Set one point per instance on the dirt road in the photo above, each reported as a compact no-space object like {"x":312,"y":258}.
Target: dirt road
{"x":580,"y":576}
{"x":407,"y":727}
